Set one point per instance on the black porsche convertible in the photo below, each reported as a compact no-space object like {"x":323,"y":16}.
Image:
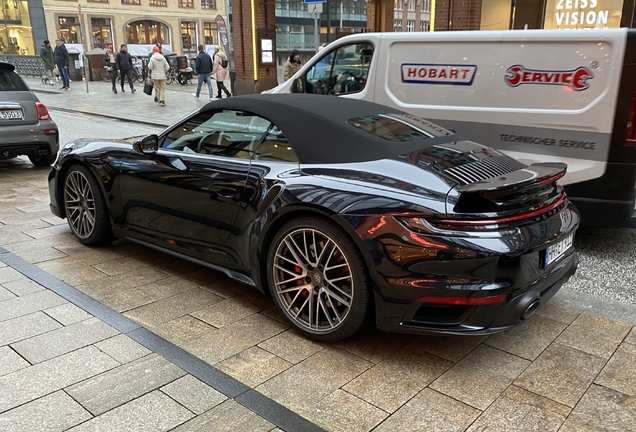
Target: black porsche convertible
{"x":344,"y":211}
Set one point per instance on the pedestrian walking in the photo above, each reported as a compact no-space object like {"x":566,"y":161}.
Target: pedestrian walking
{"x":110,"y":59}
{"x":292,"y":65}
{"x":220,"y":72}
{"x":203,"y":67}
{"x":158,"y":67}
{"x":46,"y":53}
{"x":124,"y":64}
{"x":60,"y":54}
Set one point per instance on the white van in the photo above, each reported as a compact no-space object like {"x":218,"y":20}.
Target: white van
{"x":538,"y":95}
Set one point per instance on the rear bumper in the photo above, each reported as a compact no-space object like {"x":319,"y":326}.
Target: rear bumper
{"x":29,"y":140}
{"x":518,"y":306}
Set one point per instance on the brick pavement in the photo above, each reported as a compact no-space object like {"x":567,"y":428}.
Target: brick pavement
{"x":564,"y":370}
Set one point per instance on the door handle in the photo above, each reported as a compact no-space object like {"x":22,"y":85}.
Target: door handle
{"x":224,"y":191}
{"x":178,"y":164}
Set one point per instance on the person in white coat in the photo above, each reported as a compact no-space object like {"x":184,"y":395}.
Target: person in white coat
{"x":159,"y":67}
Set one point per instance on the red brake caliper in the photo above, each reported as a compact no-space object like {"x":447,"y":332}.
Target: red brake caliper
{"x":300,"y":282}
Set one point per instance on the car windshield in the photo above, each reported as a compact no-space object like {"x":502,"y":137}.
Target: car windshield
{"x":11,"y":81}
{"x":398,"y":127}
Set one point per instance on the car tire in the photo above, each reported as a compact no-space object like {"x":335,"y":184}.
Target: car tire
{"x":85,"y":207}
{"x":320,"y":286}
{"x":43,"y":161}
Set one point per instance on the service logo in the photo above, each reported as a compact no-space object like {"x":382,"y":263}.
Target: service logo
{"x":421,"y":73}
{"x":575,"y":79}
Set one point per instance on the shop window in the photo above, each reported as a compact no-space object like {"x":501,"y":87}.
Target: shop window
{"x":162,"y":3}
{"x":209,"y":33}
{"x":208,"y":4}
{"x":147,"y":32}
{"x":131,"y":2}
{"x":186,"y":4}
{"x":101,"y":32}
{"x":188,"y":37}
{"x":69,"y":29}
{"x":16,"y":35}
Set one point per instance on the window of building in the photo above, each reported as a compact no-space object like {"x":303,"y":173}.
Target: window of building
{"x":424,"y":26}
{"x":97,"y":1}
{"x":186,"y":4}
{"x":189,"y":37}
{"x":426,"y":5}
{"x":101,"y":32}
{"x":16,"y":34}
{"x":163,"y":3}
{"x":397,"y":25}
{"x":147,"y":32}
{"x":131,"y":2}
{"x":398,"y":4}
{"x":208,"y":4}
{"x":209,"y":33}
{"x":411,"y":5}
{"x":410,"y":25}
{"x":69,"y":29}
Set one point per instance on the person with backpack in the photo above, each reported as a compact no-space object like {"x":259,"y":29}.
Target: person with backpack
{"x":203,"y":67}
{"x":124,"y":64}
{"x":220,"y":71}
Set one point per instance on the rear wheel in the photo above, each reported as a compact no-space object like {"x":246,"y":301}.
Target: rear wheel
{"x":43,"y":161}
{"x":318,"y":279}
{"x":85,"y":208}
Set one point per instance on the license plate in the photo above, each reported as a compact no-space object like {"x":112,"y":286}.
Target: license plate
{"x":557,"y":250}
{"x":11,"y":114}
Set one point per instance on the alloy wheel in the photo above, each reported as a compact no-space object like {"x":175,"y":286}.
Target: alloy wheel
{"x":313,"y":280}
{"x":80,"y":204}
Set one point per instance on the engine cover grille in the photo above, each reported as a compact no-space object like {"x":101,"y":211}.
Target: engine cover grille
{"x":484,"y":169}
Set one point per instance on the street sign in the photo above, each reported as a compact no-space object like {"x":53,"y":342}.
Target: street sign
{"x":314,"y":8}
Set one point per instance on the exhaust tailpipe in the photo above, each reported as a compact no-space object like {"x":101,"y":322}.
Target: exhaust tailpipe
{"x":530,"y":309}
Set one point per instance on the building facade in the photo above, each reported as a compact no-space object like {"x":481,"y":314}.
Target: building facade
{"x":22,"y":27}
{"x":179,"y":25}
{"x":412,"y":15}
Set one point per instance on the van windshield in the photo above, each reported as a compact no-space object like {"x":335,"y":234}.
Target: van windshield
{"x":398,"y":127}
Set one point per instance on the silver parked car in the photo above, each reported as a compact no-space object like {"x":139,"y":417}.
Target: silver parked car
{"x":27,"y":128}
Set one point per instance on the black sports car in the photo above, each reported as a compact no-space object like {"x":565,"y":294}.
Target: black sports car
{"x":342,"y":210}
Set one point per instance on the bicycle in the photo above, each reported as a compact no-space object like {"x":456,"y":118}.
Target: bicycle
{"x":171,"y":76}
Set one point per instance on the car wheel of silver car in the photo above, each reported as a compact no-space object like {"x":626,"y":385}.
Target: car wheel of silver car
{"x":43,"y":161}
{"x":85,"y":207}
{"x":318,"y":279}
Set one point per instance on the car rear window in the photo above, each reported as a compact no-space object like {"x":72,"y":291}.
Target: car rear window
{"x":398,"y":127}
{"x":11,"y":81}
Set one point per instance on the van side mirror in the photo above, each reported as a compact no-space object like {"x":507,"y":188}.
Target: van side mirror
{"x":298,"y":86}
{"x":147,"y":145}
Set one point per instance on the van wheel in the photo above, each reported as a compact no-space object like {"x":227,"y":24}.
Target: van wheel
{"x":318,"y":279}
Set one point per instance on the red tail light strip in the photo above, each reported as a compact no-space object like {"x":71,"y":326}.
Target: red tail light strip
{"x":43,"y":113}
{"x":462,"y":301}
{"x":507,"y":219}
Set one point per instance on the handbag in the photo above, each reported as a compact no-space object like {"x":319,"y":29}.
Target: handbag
{"x":148,"y":85}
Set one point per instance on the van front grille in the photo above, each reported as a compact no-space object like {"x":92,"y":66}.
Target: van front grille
{"x":484,"y":169}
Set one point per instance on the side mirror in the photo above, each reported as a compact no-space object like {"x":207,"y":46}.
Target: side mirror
{"x":297,"y":86}
{"x":147,"y":145}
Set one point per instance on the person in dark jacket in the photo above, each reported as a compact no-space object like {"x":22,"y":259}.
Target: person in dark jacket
{"x":46,"y":53}
{"x":203,"y":67}
{"x":110,"y":60}
{"x":61,"y":61}
{"x":124,"y":64}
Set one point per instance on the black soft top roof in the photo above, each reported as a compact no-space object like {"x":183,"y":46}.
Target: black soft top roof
{"x":316,"y":126}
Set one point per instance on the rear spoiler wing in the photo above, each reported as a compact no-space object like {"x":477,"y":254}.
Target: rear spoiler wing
{"x":539,"y":173}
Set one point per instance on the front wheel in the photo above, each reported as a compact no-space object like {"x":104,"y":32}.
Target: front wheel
{"x":318,"y":279}
{"x":85,"y":207}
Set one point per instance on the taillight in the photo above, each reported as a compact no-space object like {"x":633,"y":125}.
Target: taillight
{"x":462,"y":301}
{"x":630,"y":136}
{"x":43,"y":113}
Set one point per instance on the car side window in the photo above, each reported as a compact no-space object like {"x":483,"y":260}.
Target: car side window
{"x":275,"y":147}
{"x":342,"y":71}
{"x":226,"y":133}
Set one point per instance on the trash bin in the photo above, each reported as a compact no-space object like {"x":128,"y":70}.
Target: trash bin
{"x":96,"y":65}
{"x":74,"y":71}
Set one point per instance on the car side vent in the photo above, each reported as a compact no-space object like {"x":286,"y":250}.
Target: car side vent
{"x":484,"y":169}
